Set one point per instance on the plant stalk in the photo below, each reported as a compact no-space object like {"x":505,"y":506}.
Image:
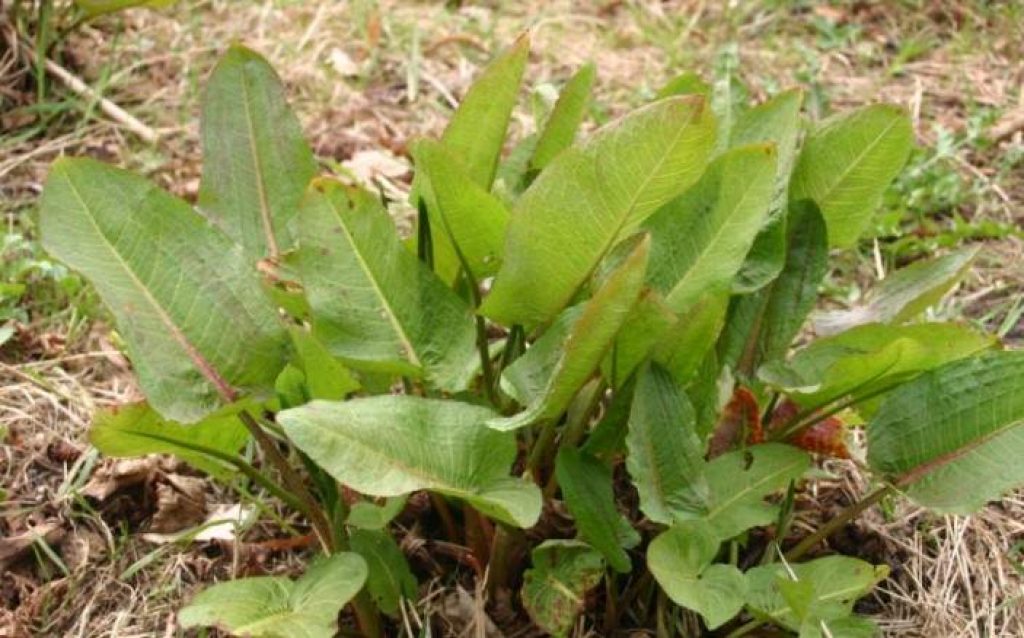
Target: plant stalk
{"x":291,"y":480}
{"x":838,"y":521}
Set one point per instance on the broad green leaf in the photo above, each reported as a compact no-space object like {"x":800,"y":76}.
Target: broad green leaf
{"x":472,"y":219}
{"x":93,"y":8}
{"x":665,"y":460}
{"x":554,"y":588}
{"x":394,"y":445}
{"x":847,"y":163}
{"x":680,"y":559}
{"x":256,"y":163}
{"x":559,"y":131}
{"x":776,"y":121}
{"x":647,"y":324}
{"x":739,"y":482}
{"x":325,"y":376}
{"x":275,"y":606}
{"x":137,"y":430}
{"x":607,"y":440}
{"x":687,"y":343}
{"x":952,"y":438}
{"x":514,"y":173}
{"x":869,"y":359}
{"x":803,"y":595}
{"x":902,"y":295}
{"x":188,"y":304}
{"x":389,"y":578}
{"x":586,"y":486}
{"x":761,"y":326}
{"x":546,"y":378}
{"x":590,"y":197}
{"x":370,"y":516}
{"x":476,"y":133}
{"x":699,"y":240}
{"x":375,"y":305}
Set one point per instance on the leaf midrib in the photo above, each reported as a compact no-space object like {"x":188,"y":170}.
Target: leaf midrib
{"x":841,"y":179}
{"x":750,"y":488}
{"x":710,"y":245}
{"x":205,"y":367}
{"x":389,"y":312}
{"x":265,"y":218}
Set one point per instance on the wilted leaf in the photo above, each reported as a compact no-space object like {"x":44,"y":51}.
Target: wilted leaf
{"x":680,"y":559}
{"x":953,"y":437}
{"x":739,"y":422}
{"x":375,"y":305}
{"x":554,"y":588}
{"x":590,"y":197}
{"x":274,"y":606}
{"x":256,"y":162}
{"x":665,"y":459}
{"x":847,"y":163}
{"x":394,"y":445}
{"x":902,"y":295}
{"x":195,"y":339}
{"x":586,"y":485}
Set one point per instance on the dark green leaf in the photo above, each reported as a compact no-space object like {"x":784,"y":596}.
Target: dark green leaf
{"x":375,"y":305}
{"x":198,"y":328}
{"x":666,"y":459}
{"x":586,"y":485}
{"x":389,"y":579}
{"x":256,"y":162}
{"x":952,"y":438}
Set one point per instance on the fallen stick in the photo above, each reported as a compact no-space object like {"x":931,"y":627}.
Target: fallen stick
{"x":112,"y":110}
{"x":80,"y":88}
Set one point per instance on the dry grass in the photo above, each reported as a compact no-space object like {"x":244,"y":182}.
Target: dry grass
{"x":366,"y":76}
